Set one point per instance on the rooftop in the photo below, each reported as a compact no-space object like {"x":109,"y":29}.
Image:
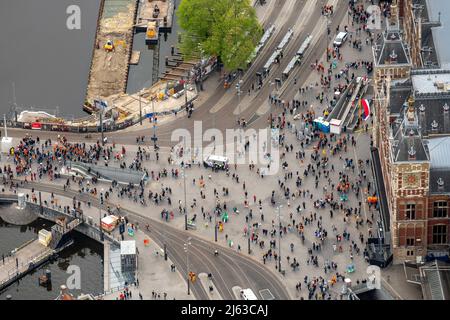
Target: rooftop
{"x":431,"y":83}
{"x":439,"y":152}
{"x":436,"y":280}
{"x":439,"y":181}
{"x":127,"y":247}
{"x":439,"y":10}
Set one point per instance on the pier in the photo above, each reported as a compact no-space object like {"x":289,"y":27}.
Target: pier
{"x":113,"y":46}
{"x":35,"y":253}
{"x":23,"y":260}
{"x":158,"y":11}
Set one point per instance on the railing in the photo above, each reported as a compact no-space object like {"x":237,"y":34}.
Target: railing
{"x":18,"y":271}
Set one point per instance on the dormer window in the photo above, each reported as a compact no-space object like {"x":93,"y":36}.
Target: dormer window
{"x":411,"y":132}
{"x":412,"y":153}
{"x":434,"y":125}
{"x":422,"y":108}
{"x":440,"y":183}
{"x":393,"y":56}
{"x":446,"y":107}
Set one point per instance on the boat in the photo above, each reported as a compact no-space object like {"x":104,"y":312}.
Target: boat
{"x":151,"y":36}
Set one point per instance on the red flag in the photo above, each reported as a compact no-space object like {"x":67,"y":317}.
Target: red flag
{"x":366,"y":107}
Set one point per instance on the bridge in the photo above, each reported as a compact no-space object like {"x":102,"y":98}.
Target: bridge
{"x":34,"y":253}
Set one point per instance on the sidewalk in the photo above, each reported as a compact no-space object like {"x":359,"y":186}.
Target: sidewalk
{"x":155,"y":277}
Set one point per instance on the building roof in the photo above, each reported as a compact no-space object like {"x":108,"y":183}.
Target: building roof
{"x":389,"y":49}
{"x":127,"y":247}
{"x":407,"y":144}
{"x":439,"y":10}
{"x":434,"y":115}
{"x":398,"y":97}
{"x":425,"y":83}
{"x":439,"y":152}
{"x":436,"y":280}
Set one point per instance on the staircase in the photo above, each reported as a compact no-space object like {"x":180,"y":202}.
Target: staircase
{"x":58,"y":232}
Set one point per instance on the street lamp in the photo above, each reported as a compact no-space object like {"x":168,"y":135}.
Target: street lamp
{"x":140,"y":108}
{"x":238,"y":88}
{"x":100,"y":196}
{"x":248,"y":234}
{"x":186,"y":249}
{"x":184,"y":182}
{"x":215,"y":218}
{"x":154,"y":138}
{"x":101,"y":126}
{"x":327,"y":37}
{"x":279,"y":239}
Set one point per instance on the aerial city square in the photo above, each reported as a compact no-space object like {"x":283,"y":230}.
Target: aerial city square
{"x":225,"y":150}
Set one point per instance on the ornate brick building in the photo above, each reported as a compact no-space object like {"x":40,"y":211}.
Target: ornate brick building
{"x":411,"y":157}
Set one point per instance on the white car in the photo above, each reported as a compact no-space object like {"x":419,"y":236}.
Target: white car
{"x":340,"y":39}
{"x":214,"y":161}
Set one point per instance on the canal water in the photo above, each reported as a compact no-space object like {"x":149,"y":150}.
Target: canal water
{"x":85,"y":253}
{"x":48,"y":64}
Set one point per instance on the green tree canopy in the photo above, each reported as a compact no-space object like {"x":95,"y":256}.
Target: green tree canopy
{"x":228,"y":29}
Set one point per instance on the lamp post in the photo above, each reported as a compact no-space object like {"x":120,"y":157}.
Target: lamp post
{"x":101,"y":126}
{"x":215,"y":218}
{"x":184,"y":182}
{"x":140,"y":108}
{"x":186,"y":249}
{"x":327,"y":36}
{"x":165,"y":241}
{"x":238,"y":88}
{"x":154,"y":138}
{"x":279,"y":239}
{"x":100,"y":196}
{"x":249,"y":234}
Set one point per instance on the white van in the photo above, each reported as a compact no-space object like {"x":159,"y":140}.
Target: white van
{"x":214,"y":161}
{"x":340,"y":39}
{"x":247,"y":294}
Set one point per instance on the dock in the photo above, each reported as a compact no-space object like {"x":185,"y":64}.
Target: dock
{"x":22,"y":261}
{"x":113,"y":46}
{"x":158,"y":11}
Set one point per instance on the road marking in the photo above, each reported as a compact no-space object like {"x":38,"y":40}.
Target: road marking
{"x":237,"y":292}
{"x":214,"y":294}
{"x":266,"y":294}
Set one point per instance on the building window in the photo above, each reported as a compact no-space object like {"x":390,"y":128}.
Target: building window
{"x":409,"y":252}
{"x":410,"y":211}
{"x":410,"y":242}
{"x":440,"y":234}
{"x":440,"y":209}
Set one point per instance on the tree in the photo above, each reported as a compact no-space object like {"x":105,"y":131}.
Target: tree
{"x":228,"y":29}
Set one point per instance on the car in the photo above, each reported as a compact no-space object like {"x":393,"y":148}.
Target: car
{"x":340,"y":39}
{"x":248,"y":294}
{"x":214,"y":161}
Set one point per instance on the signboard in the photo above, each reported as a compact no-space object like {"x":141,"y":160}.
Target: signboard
{"x":36,"y":126}
{"x":101,"y":104}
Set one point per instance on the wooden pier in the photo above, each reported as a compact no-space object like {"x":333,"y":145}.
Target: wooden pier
{"x":113,"y":47}
{"x":159,"y":11}
{"x":25,"y":259}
